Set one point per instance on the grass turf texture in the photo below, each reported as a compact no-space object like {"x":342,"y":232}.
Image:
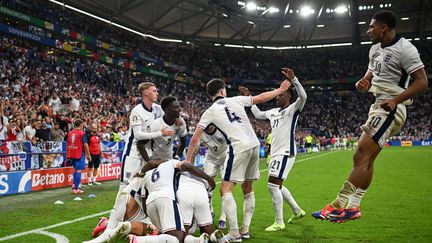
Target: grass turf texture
{"x":395,"y":208}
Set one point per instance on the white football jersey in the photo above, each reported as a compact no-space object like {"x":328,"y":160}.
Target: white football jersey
{"x":140,"y":120}
{"x":229,"y":116}
{"x":186,"y":179}
{"x":392,"y":66}
{"x":283,"y":123}
{"x":161,"y":181}
{"x":216,"y":144}
{"x":162,"y":147}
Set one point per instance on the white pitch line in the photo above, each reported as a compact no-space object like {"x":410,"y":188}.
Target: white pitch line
{"x":59,"y":238}
{"x":102,"y":213}
{"x":53,"y":226}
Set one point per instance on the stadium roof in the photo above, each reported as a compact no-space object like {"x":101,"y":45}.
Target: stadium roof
{"x":260,"y":22}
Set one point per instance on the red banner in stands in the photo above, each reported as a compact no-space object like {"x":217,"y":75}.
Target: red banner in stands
{"x":62,"y":177}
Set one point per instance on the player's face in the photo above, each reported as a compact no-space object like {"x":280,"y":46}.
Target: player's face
{"x":174,"y":109}
{"x":283,"y":99}
{"x":152,"y":93}
{"x":375,"y":31}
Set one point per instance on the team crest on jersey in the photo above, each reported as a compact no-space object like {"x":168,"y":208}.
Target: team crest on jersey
{"x":220,"y":140}
{"x":387,"y":57}
{"x":135,"y":118}
{"x":283,"y":113}
{"x":221,"y":102}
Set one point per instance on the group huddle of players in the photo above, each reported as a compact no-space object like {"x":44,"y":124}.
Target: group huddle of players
{"x":160,"y":192}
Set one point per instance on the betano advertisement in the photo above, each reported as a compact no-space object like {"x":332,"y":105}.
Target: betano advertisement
{"x":36,"y":180}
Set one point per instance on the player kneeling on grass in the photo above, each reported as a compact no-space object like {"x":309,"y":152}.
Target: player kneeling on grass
{"x":283,"y":150}
{"x":127,"y":207}
{"x":161,"y":204}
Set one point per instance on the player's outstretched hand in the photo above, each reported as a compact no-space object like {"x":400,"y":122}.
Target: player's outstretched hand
{"x":211,"y":183}
{"x":388,"y":105}
{"x":362,"y":85}
{"x":244,"y":90}
{"x":167,"y":132}
{"x":288,"y":73}
{"x":285,"y":85}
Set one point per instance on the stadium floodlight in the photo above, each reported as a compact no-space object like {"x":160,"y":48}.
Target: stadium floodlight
{"x":291,"y":11}
{"x":251,"y":6}
{"x":273,"y":10}
{"x":429,"y":38}
{"x":385,"y":5}
{"x":320,"y":26}
{"x":360,"y":8}
{"x":341,"y":9}
{"x":287,"y":26}
{"x":306,"y":11}
{"x":250,"y":22}
{"x":405,"y":18}
{"x":225,"y":15}
{"x":217,"y":44}
{"x":362,"y":22}
{"x":328,"y":10}
{"x":240,"y":3}
{"x":389,"y":5}
{"x":366,"y":42}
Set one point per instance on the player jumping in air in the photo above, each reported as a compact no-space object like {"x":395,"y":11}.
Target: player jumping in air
{"x":393,"y":61}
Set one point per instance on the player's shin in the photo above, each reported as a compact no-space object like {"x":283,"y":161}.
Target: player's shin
{"x":118,"y":211}
{"x":289,"y":199}
{"x":248,"y":209}
{"x":277,"y":201}
{"x":230,"y":208}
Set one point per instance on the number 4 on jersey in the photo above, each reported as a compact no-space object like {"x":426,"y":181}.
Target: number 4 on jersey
{"x":232,"y":117}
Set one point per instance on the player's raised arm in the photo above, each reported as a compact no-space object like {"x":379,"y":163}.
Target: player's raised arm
{"x":269,"y":95}
{"x":194,"y":144}
{"x":302,"y":96}
{"x":255,"y":110}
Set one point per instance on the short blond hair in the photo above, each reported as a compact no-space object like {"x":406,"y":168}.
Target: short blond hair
{"x":144,"y":86}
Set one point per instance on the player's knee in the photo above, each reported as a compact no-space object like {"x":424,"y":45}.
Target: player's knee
{"x":247,"y":187}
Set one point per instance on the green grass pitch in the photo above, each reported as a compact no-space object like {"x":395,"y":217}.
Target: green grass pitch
{"x":397,"y":206}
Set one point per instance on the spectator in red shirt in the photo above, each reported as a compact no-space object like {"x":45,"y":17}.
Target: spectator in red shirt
{"x":95,"y":153}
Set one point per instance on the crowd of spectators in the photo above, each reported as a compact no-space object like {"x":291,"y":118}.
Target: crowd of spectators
{"x":40,"y":99}
{"x":40,"y":96}
{"x":232,"y":63}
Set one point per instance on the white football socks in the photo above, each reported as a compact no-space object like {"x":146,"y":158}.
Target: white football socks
{"x":355,"y":199}
{"x":248,"y":209}
{"x":289,"y":199}
{"x":230,"y":208}
{"x":277,"y":200}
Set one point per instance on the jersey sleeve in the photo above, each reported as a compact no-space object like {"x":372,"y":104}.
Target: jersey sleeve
{"x":410,"y":59}
{"x":301,"y":100}
{"x":182,"y":131}
{"x":245,"y":101}
{"x":206,"y":119}
{"x":262,"y":115}
{"x":135,"y":119}
{"x":142,"y":133}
